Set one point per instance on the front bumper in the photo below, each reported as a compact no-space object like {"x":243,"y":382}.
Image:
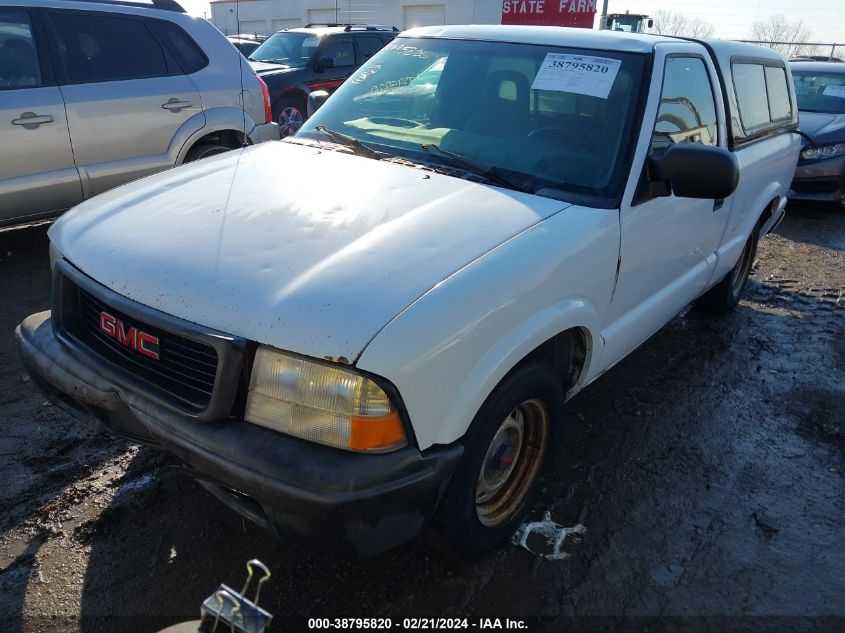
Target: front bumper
{"x":265,"y":132}
{"x":822,"y":181}
{"x":348,"y":503}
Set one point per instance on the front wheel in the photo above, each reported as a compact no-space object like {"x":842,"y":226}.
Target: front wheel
{"x":724,"y":296}
{"x":504,"y":452}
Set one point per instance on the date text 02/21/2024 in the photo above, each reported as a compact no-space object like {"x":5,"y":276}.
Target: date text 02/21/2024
{"x":412,"y":624}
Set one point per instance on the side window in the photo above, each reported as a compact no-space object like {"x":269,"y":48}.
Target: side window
{"x":368,"y":46}
{"x":19,"y":66}
{"x":105,"y":48}
{"x":342,"y":52}
{"x":687,"y":112}
{"x":750,"y":85}
{"x":779,"y":105}
{"x":188,"y":54}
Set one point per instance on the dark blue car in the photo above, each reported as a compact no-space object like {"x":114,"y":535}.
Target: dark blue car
{"x":820,"y":89}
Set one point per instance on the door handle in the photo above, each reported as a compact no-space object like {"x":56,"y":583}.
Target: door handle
{"x":30,"y":120}
{"x":718,"y":204}
{"x":174,"y":105}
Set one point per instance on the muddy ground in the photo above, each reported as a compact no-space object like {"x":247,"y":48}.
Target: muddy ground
{"x":708,"y":469}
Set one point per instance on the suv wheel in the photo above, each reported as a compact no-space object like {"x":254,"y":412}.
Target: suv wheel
{"x":505,"y":448}
{"x":204,"y":151}
{"x":291,"y":117}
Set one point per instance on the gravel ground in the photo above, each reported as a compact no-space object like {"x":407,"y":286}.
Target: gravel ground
{"x":708,"y":469}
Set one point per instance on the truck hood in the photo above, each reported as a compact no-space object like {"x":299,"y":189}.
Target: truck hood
{"x":309,"y":250}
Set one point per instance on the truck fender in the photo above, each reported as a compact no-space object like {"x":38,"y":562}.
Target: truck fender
{"x":524,"y":338}
{"x":747,"y":217}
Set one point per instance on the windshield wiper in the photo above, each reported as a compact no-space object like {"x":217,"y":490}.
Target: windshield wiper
{"x":357,"y":146}
{"x":489,"y":172}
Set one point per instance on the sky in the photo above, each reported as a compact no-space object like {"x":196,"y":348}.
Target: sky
{"x":732,"y":19}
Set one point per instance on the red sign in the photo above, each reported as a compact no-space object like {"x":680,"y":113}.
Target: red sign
{"x":577,"y":13}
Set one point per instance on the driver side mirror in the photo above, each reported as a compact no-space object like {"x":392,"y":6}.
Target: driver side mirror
{"x":692,"y":170}
{"x":323,"y":63}
{"x":315,"y":100}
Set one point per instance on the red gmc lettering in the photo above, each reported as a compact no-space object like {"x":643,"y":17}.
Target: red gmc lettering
{"x":107,"y":323}
{"x":134,"y":339}
{"x":148,"y":345}
{"x":126,"y":338}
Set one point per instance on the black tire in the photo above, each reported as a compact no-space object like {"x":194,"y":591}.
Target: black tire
{"x":205,"y":150}
{"x":290,"y":113}
{"x":469,"y":518}
{"x":724,"y":296}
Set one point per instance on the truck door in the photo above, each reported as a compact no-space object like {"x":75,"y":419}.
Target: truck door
{"x":37,"y":172}
{"x":668,"y":244}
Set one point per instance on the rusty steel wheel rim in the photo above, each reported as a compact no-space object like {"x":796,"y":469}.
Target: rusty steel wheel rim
{"x":511,"y":463}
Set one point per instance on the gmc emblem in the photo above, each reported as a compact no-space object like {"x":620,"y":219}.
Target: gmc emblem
{"x":134,"y":339}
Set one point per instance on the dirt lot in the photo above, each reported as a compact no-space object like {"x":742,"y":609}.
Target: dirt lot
{"x":708,"y":469}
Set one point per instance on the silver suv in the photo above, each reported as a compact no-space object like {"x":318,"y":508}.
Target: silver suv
{"x":94,"y":93}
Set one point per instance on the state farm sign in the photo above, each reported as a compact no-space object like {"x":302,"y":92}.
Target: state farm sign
{"x":578,"y":13}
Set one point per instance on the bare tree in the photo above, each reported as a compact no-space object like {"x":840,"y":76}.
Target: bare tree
{"x":788,"y":37}
{"x":675,"y":23}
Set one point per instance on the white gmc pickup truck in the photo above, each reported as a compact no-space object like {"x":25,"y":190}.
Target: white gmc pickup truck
{"x":374,"y":325}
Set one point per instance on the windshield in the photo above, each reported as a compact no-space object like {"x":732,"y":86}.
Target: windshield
{"x":287,"y":48}
{"x":820,"y":92}
{"x":627,"y":23}
{"x":554,"y":117}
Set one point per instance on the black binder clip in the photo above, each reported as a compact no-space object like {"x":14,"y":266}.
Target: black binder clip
{"x":229,"y":611}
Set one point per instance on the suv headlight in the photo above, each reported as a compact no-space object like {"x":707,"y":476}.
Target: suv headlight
{"x":819,"y":152}
{"x":322,"y":403}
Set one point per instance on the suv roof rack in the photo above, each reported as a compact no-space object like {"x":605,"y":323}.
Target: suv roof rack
{"x":166,"y":5}
{"x":352,"y":27}
{"x":370,"y":27}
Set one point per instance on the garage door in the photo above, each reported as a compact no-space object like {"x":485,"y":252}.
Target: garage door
{"x":255,"y":27}
{"x":425,"y":15}
{"x":322,"y":16}
{"x":281,"y":25}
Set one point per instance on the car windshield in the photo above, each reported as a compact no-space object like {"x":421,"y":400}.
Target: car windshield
{"x":287,"y":48}
{"x":559,"y":119}
{"x":820,"y":92}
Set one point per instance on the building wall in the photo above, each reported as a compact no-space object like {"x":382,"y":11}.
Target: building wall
{"x":267,"y":16}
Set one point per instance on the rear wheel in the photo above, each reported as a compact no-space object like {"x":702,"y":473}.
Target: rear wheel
{"x":724,"y":296}
{"x":292,"y":115}
{"x":204,"y":151}
{"x":504,"y":452}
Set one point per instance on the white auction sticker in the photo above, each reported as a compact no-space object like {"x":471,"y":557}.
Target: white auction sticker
{"x":835,"y":91}
{"x":310,"y":42}
{"x":580,"y":74}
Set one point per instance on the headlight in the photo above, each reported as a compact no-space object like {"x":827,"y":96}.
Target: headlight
{"x":55,"y":256}
{"x":322,"y":403}
{"x":823,"y":151}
